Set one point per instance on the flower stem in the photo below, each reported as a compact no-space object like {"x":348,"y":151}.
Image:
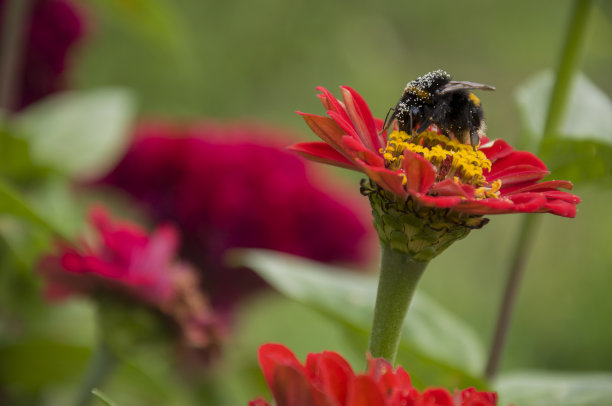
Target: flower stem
{"x":101,"y":364}
{"x":515,"y":274}
{"x":559,"y":99}
{"x":398,"y":278}
{"x":12,"y":47}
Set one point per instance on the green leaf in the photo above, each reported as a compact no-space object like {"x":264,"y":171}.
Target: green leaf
{"x":12,"y":203}
{"x":103,"y":397}
{"x":78,"y":133}
{"x":582,"y":151}
{"x":430,"y":333}
{"x":555,"y":389}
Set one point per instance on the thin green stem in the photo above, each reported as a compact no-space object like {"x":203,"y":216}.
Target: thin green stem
{"x":398,"y":278}
{"x":101,"y":365}
{"x":566,"y":71}
{"x":515,"y":274}
{"x":568,"y":65}
{"x":12,"y":46}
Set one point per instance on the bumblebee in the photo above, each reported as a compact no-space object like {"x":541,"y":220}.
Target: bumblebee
{"x":436,"y":99}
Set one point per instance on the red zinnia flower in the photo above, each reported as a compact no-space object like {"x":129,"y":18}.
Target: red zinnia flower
{"x":327,"y":379}
{"x":431,"y":169}
{"x":128,"y":262}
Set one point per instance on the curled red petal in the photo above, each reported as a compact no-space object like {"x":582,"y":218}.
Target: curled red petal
{"x":332,"y":104}
{"x":517,"y":174}
{"x":420,"y":173}
{"x":362,"y":118}
{"x":324,"y":153}
{"x":272,"y":355}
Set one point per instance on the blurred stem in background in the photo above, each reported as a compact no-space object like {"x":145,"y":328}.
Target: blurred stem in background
{"x":566,"y":71}
{"x":101,"y":365}
{"x":14,"y":26}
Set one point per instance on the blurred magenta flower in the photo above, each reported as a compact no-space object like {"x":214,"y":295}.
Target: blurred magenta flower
{"x":124,"y":261}
{"x":55,"y":26}
{"x":237,"y":186}
{"x":327,"y":379}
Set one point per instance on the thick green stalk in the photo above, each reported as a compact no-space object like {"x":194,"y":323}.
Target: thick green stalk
{"x":398,"y":278}
{"x":566,"y":72}
{"x":101,"y":365}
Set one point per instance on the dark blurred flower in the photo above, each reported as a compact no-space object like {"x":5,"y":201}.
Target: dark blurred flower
{"x":236,"y":186}
{"x":327,"y":379}
{"x":125,"y":261}
{"x":54,"y":27}
{"x":428,"y":176}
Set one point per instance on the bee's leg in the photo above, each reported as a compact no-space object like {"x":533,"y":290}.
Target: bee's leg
{"x":474,"y":138}
{"x":388,"y":121}
{"x":423,"y":126}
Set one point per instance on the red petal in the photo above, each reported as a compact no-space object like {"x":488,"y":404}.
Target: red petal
{"x":499,"y":149}
{"x":345,"y":125}
{"x":333,"y":104}
{"x":291,"y":388}
{"x":358,"y":150}
{"x":517,"y":158}
{"x":362,"y":118}
{"x":549,"y":185}
{"x":326,"y":128}
{"x":438,"y":201}
{"x":420,"y":173}
{"x":448,"y":187}
{"x":332,"y":374}
{"x":364,"y":392}
{"x":272,"y":355}
{"x":324,"y":153}
{"x":385,"y":178}
{"x":437,"y":397}
{"x":517,"y":174}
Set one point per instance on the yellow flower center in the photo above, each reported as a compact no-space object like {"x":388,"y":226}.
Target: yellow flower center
{"x":451,"y":159}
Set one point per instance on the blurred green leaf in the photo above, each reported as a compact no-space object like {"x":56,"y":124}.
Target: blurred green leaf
{"x":15,"y":161}
{"x":430,"y":332}
{"x":583,"y":149}
{"x":78,"y":133}
{"x":103,"y":398}
{"x":555,"y":389}
{"x":12,"y":203}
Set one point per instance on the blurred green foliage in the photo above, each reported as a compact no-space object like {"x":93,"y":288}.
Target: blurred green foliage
{"x":263,"y":60}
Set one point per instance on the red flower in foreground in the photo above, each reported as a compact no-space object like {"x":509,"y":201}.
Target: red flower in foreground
{"x":126,"y":261}
{"x":237,"y":186}
{"x":431,"y":169}
{"x":327,"y":379}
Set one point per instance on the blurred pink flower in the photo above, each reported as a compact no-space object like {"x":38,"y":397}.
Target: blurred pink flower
{"x":54,"y":27}
{"x":237,"y":186}
{"x":126,"y":261}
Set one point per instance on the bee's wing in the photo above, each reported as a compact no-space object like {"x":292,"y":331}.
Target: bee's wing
{"x":463,"y":85}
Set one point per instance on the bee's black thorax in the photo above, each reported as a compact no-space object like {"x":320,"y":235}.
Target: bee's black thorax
{"x":427,"y":100}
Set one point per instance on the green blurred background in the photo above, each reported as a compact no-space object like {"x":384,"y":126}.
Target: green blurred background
{"x":262,"y":61}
